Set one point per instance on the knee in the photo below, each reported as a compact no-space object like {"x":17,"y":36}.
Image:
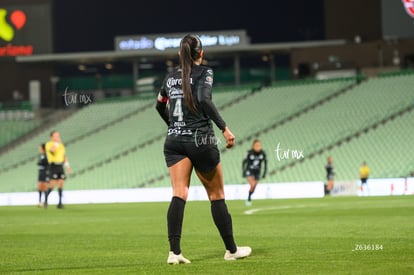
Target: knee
{"x":216,"y":195}
{"x":181,"y":193}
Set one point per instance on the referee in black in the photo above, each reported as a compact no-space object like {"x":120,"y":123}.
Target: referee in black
{"x":185,"y":104}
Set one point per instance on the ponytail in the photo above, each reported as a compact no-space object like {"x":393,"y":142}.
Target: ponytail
{"x":190,"y":50}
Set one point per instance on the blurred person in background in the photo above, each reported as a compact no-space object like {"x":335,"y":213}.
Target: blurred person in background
{"x":364,"y":172}
{"x":56,"y":156}
{"x":330,"y":174}
{"x":43,"y":174}
{"x":252,"y":166}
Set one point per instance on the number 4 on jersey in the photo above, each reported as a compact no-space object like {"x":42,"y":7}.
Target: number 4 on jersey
{"x":178,"y":110}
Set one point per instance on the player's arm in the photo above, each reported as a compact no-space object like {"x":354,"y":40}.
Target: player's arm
{"x":244,"y":164}
{"x":67,"y":165}
{"x":207,"y":106}
{"x":51,"y":147}
{"x":40,"y":161}
{"x":204,"y":98}
{"x":264,"y":165}
{"x":161,"y":106}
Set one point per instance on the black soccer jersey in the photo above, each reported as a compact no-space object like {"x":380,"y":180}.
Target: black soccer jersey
{"x":254,"y":160}
{"x":329,"y":171}
{"x":42,"y":164}
{"x":183,"y":124}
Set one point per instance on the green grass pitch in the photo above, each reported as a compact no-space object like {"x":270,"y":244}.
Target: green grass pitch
{"x":334,"y":235}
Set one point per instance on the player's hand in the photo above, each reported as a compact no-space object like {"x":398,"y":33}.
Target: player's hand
{"x":68,"y":170}
{"x":228,"y":135}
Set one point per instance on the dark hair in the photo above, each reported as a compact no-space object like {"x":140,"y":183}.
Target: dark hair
{"x":190,"y":50}
{"x":255,"y":141}
{"x":43,"y":146}
{"x":51,"y":133}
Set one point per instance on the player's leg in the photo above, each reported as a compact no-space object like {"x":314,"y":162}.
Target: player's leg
{"x":214,"y":184}
{"x":253,"y":183}
{"x":330,"y":185}
{"x":364,"y":187}
{"x":39,"y":190}
{"x":49,"y":188}
{"x":52,"y":184}
{"x":180,"y":174}
{"x":60,"y":191}
{"x":43,"y":189}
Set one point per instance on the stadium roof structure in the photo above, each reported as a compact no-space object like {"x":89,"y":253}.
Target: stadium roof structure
{"x":107,"y":56}
{"x":135,"y":57}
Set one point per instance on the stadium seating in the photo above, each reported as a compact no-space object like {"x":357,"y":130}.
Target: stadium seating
{"x":86,"y":120}
{"x":366,"y":104}
{"x":12,"y":129}
{"x":119,"y":145}
{"x":94,"y":135}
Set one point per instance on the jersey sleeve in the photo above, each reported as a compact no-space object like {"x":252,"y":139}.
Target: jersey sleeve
{"x":204,"y":98}
{"x":245,"y":163}
{"x":265,"y":164}
{"x":161,"y":105}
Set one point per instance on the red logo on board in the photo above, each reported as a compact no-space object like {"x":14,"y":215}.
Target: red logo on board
{"x":409,"y":7}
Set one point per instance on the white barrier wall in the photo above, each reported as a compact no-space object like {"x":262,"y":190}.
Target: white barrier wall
{"x":233,"y":192}
{"x":375,"y":187}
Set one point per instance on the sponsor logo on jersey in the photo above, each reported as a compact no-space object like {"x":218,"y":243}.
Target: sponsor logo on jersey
{"x":179,"y":132}
{"x":209,"y":80}
{"x":175,"y":93}
{"x":175,"y":81}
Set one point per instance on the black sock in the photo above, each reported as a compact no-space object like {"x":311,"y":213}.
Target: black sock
{"x":49,"y":190}
{"x":60,"y":191}
{"x":223,"y":221}
{"x":40,"y":196}
{"x":175,"y":216}
{"x":250,"y":196}
{"x":46,"y":195}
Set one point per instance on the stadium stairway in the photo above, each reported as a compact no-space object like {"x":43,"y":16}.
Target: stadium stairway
{"x":150,"y":144}
{"x":328,"y":149}
{"x":108,"y":126}
{"x":33,"y":127}
{"x":85,"y":121}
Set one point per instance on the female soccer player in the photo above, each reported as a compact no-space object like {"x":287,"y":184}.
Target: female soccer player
{"x":43,"y":174}
{"x":330,"y":174}
{"x":190,"y":142}
{"x":252,"y":165}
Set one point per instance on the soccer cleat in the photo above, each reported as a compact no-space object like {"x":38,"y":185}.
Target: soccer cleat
{"x":177,"y":259}
{"x":248,"y":203}
{"x":242,"y":252}
{"x":60,"y":206}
